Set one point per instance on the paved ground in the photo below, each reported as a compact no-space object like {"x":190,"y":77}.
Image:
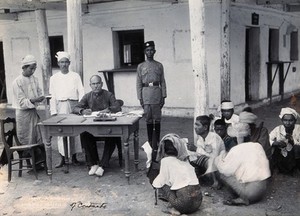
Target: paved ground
{"x":77,"y":193}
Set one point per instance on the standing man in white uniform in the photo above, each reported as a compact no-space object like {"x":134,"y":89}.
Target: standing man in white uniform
{"x":66,"y":90}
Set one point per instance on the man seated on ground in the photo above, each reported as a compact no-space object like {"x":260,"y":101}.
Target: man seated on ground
{"x":177,"y":178}
{"x":220,"y":128}
{"x":259,"y":133}
{"x":226,"y":113}
{"x":208,"y":146}
{"x":285,"y":141}
{"x":105,"y":102}
{"x":245,"y":170}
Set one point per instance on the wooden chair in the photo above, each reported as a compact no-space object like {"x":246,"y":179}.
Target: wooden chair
{"x":12,"y":144}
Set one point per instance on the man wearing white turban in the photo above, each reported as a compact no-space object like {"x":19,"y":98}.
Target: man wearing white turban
{"x":285,"y":140}
{"x":66,"y":89}
{"x":27,"y":95}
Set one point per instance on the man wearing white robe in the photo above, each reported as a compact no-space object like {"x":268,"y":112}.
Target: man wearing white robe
{"x":66,"y":90}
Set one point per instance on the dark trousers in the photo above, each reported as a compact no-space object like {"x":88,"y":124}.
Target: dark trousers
{"x":186,"y":200}
{"x":289,"y":163}
{"x":88,"y":142}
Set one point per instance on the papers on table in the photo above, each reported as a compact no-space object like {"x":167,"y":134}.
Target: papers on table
{"x":118,"y":114}
{"x":96,"y":114}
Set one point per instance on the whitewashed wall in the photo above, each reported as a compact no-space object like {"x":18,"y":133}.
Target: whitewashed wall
{"x":268,"y":18}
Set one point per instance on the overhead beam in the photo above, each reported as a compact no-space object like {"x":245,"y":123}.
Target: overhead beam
{"x":31,"y":5}
{"x":97,"y":1}
{"x":267,"y":2}
{"x":22,"y":5}
{"x":162,"y":1}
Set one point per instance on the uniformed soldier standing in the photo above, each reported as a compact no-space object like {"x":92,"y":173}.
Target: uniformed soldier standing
{"x":151,"y":90}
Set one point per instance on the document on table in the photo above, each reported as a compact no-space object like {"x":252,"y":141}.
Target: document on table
{"x":97,"y":113}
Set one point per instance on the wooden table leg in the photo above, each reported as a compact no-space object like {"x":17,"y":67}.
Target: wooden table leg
{"x":48,"y":149}
{"x":66,"y":150}
{"x":136,"y":149}
{"x":126,"y":153}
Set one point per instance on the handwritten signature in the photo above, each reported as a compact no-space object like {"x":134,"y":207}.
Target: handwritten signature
{"x":79,"y":204}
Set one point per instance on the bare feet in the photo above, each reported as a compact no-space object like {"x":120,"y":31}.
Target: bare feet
{"x":172,"y":211}
{"x":236,"y":202}
{"x":216,"y":185}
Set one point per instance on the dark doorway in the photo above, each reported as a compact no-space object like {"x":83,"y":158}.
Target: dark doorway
{"x":252,"y":64}
{"x":3,"y":97}
{"x":56,"y":44}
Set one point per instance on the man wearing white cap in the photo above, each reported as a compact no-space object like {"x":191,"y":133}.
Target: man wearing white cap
{"x":66,"y":89}
{"x":285,"y":140}
{"x":27,"y":95}
{"x":227,"y":112}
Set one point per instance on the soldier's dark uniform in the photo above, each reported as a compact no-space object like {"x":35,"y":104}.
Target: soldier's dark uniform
{"x":151,"y":89}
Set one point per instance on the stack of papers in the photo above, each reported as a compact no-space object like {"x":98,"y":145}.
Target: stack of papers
{"x":96,"y":114}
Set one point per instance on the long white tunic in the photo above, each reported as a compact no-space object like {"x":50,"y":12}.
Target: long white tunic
{"x":64,"y":87}
{"x":24,"y":89}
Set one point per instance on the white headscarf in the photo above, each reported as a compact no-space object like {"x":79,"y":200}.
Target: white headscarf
{"x":62,"y":54}
{"x":247,"y":117}
{"x":287,"y":110}
{"x":239,"y":130}
{"x":28,"y":60}
{"x":178,"y":142}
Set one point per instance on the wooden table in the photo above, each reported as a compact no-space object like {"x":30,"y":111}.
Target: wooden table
{"x":73,"y":125}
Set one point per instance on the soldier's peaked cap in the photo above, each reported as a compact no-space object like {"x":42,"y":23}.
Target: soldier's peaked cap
{"x":148,"y":44}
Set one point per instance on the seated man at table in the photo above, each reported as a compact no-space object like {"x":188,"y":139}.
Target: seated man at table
{"x":97,"y":100}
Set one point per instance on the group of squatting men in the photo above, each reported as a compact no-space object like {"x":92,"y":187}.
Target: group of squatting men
{"x":232,"y":151}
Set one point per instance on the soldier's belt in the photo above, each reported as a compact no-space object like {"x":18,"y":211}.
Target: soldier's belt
{"x":150,"y":84}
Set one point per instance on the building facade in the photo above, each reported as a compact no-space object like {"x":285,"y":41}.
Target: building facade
{"x":260,"y":36}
